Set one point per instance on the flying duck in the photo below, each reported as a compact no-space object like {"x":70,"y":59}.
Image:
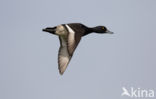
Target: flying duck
{"x":70,"y":36}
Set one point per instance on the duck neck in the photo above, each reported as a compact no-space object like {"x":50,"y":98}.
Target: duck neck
{"x":91,"y":30}
{"x":87,"y":31}
{"x":95,"y":29}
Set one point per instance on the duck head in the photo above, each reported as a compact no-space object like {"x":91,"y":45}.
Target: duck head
{"x":101,"y":29}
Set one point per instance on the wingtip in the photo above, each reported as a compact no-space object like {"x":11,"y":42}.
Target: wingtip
{"x":61,"y":73}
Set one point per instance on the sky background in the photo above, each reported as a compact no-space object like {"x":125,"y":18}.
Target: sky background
{"x":101,"y":65}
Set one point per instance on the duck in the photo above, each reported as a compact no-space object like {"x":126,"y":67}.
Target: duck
{"x":69,"y":36}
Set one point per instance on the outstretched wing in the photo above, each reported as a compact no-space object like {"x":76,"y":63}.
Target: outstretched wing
{"x":63,"y":56}
{"x":65,"y":53}
{"x":67,"y":47}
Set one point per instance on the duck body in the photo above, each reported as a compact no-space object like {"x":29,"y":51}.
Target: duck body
{"x":70,"y":36}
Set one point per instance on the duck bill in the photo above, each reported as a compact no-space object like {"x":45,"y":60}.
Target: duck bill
{"x":109,"y":32}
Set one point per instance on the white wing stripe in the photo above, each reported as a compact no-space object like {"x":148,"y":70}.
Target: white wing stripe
{"x":71,"y":39}
{"x":70,"y":30}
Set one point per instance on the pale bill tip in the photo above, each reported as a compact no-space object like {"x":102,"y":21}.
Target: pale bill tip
{"x":110,"y":32}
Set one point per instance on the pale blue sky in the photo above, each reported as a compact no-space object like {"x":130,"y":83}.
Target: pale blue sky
{"x":101,"y":65}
